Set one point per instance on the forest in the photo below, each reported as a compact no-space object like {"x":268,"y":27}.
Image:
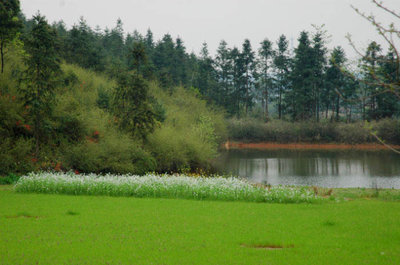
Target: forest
{"x":105,"y":100}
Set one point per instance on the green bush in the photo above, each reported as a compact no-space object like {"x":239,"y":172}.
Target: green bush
{"x":353,"y":133}
{"x":9,"y":179}
{"x":190,"y":135}
{"x":388,"y":130}
{"x":15,"y":155}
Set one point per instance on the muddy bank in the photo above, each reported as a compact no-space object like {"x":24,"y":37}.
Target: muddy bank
{"x":268,"y":145}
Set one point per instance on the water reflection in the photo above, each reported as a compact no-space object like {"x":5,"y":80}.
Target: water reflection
{"x":311,"y":167}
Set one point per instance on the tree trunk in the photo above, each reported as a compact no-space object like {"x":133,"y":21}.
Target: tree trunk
{"x":280,"y":104}
{"x":337,"y":107}
{"x":327,"y":111}
{"x":266,"y":105}
{"x":363,"y":109}
{"x":247,"y":93}
{"x":350,"y":114}
{"x":2,"y":56}
{"x":36,"y":132}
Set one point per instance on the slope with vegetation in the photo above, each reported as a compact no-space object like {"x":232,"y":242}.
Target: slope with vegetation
{"x":110,"y":101}
{"x":74,"y":118}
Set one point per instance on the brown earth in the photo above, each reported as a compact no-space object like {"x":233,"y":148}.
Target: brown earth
{"x":238,"y":145}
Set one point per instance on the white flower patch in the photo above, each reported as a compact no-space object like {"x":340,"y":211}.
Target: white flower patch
{"x":166,"y":186}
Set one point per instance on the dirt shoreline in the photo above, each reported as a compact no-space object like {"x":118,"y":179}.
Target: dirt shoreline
{"x":270,"y":145}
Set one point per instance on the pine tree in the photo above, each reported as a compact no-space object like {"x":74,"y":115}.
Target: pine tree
{"x":370,"y":69}
{"x":132,"y":105}
{"x":249,"y":65}
{"x":9,"y":24}
{"x":266,"y":53}
{"x":83,"y":47}
{"x":318,"y":66}
{"x":238,"y":73}
{"x":387,"y":103}
{"x":138,"y":56}
{"x":163,"y":59}
{"x":180,"y":62}
{"x":40,"y":76}
{"x":281,"y":65}
{"x":205,"y":81}
{"x":223,"y":66}
{"x":335,"y":82}
{"x":300,"y":97}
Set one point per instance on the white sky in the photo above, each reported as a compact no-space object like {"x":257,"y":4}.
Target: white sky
{"x":197,"y":21}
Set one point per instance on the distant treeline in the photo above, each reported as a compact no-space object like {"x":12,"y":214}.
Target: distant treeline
{"x":307,"y":83}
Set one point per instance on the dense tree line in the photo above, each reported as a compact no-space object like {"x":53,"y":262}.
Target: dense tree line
{"x":306,"y":83}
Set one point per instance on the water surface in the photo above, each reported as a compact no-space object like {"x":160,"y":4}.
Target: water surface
{"x":325,"y":168}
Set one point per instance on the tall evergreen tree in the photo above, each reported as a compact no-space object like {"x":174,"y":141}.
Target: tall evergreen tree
{"x":335,"y":82}
{"x":83,"y":48}
{"x":180,"y":63}
{"x":42,"y":69}
{"x":281,"y":65}
{"x":249,"y":64}
{"x":388,"y":104}
{"x":370,"y":68}
{"x":300,"y":97}
{"x":163,"y":59}
{"x":266,"y":54}
{"x":223,"y":67}
{"x":318,"y":67}
{"x":138,"y":56}
{"x":206,"y":81}
{"x":132,"y":105}
{"x":9,"y":24}
{"x":238,"y":73}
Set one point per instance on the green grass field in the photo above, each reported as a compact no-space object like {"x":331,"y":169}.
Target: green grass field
{"x":63,"y":229}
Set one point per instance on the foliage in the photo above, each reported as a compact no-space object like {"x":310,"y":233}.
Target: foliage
{"x":40,"y":75}
{"x":132,"y":107}
{"x":318,"y":132}
{"x":15,"y":155}
{"x":9,"y":179}
{"x":9,"y":25}
{"x":190,"y":134}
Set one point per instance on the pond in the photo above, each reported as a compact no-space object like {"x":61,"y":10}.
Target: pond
{"x":324,"y":168}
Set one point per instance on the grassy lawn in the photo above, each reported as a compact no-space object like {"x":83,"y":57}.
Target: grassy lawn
{"x":62,"y":229}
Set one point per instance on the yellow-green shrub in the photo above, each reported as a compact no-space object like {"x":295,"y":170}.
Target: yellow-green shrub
{"x":190,"y":134}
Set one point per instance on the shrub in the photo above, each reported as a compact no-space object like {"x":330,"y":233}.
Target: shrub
{"x":388,"y":130}
{"x":250,"y":130}
{"x":9,"y":179}
{"x":15,"y":155}
{"x":190,"y":134}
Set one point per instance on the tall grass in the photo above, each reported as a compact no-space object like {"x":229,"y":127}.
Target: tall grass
{"x":165,"y":186}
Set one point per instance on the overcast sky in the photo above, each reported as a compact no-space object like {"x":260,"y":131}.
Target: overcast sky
{"x":197,"y":21}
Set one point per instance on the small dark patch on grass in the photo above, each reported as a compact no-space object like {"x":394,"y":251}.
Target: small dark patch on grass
{"x":266,"y":246}
{"x":23,"y":215}
{"x":329,"y":223}
{"x":72,"y":213}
